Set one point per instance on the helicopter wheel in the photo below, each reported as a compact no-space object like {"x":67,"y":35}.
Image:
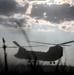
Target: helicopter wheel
{"x":50,"y":62}
{"x":53,"y":62}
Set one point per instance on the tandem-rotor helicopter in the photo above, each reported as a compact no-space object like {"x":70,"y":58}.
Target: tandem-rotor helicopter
{"x":54,"y":53}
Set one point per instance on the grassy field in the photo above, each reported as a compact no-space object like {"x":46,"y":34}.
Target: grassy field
{"x":38,"y":68}
{"x":21,"y":69}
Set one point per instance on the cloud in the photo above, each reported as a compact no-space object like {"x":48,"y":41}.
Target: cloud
{"x":10,"y":7}
{"x":53,"y":13}
{"x":11,"y":11}
{"x":67,"y":26}
{"x":11,"y":22}
{"x":45,"y":30}
{"x":28,"y":12}
{"x":62,"y":1}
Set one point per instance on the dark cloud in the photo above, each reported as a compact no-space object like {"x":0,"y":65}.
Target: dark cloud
{"x":54,"y":13}
{"x":10,"y":7}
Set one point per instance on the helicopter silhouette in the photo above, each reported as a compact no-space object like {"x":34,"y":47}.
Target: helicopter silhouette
{"x":54,"y":53}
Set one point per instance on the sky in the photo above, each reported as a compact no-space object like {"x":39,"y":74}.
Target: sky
{"x":50,"y":21}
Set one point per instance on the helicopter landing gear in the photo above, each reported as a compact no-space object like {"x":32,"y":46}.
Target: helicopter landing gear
{"x":52,"y":62}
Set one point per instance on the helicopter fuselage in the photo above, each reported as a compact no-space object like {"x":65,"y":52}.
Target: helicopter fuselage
{"x":54,"y":53}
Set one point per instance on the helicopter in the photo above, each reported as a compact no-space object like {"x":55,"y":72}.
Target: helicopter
{"x":54,"y":53}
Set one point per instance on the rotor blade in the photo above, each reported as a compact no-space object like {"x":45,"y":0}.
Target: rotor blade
{"x":66,"y":42}
{"x":42,"y":43}
{"x":26,"y":46}
{"x":23,"y":46}
{"x":11,"y":47}
{"x":16,"y":43}
{"x":66,"y":45}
